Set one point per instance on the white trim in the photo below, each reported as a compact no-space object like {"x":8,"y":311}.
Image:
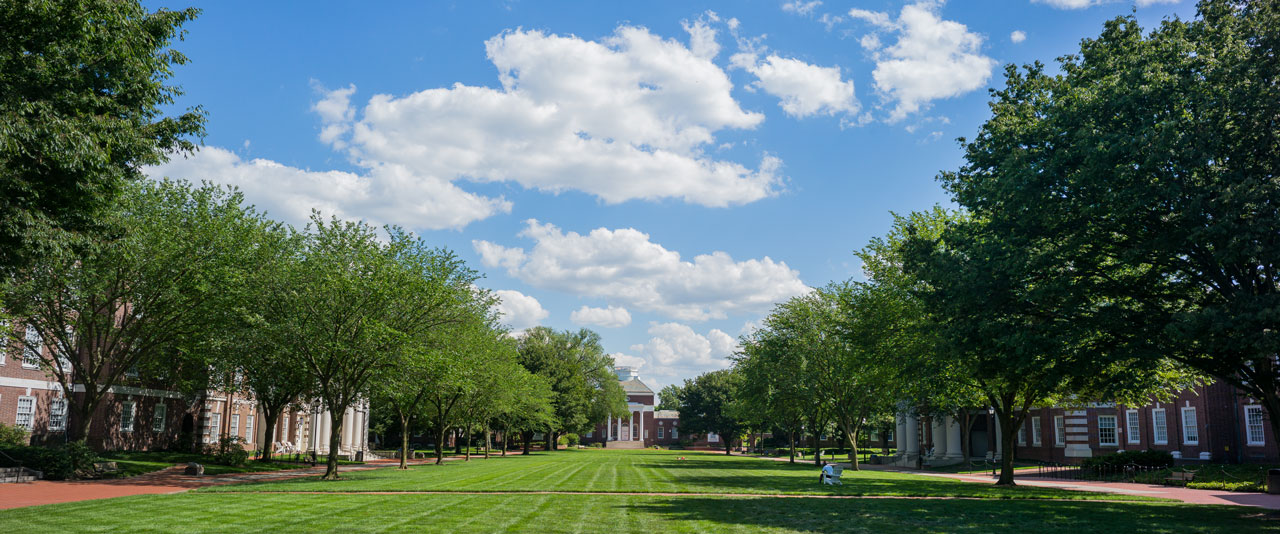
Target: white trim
{"x":1036,"y":440}
{"x":57,"y":417}
{"x":1115,"y":431}
{"x":131,"y":408}
{"x":1248,"y":426}
{"x":1059,"y":431}
{"x":1194,"y":429}
{"x":159,"y":417}
{"x":1133,"y":426}
{"x":1156,"y":426}
{"x":30,"y":413}
{"x":50,"y":385}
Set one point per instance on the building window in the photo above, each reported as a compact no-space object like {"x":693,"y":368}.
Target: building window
{"x":4,"y":340}
{"x":1107,"y":431}
{"x":590,"y":434}
{"x":57,"y":415}
{"x":1159,"y":427}
{"x":126,"y":416}
{"x":248,"y":429}
{"x":712,"y":437}
{"x":26,"y":412}
{"x":1190,"y":432}
{"x":888,"y":435}
{"x":673,"y":433}
{"x":1059,"y":431}
{"x":235,"y":424}
{"x":1035,"y":432}
{"x":158,"y":417}
{"x":212,"y":429}
{"x":32,"y":348}
{"x":1131,"y":426}
{"x":1022,"y":435}
{"x":1254,"y":431}
{"x":660,"y":433}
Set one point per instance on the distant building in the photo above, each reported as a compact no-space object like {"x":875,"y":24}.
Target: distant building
{"x":644,"y":426}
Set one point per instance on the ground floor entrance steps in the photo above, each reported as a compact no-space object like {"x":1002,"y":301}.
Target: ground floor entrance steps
{"x":624,"y":445}
{"x":19,"y":474}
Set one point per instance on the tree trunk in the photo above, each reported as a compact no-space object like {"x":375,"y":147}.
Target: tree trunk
{"x":528,"y":436}
{"x":817,"y":453}
{"x":852,"y":436}
{"x":1008,"y":429}
{"x":270,"y":418}
{"x":551,"y":440}
{"x":792,"y":437}
{"x":728,"y":445}
{"x":335,"y":441}
{"x":404,"y":442}
{"x":1271,"y":404}
{"x":466,"y":444}
{"x":457,"y":443}
{"x":487,"y":442}
{"x":440,"y":443}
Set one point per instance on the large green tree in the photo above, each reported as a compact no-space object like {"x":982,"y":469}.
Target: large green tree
{"x":140,"y":301}
{"x":82,"y":109}
{"x":1150,"y":165}
{"x":585,"y":390}
{"x":709,"y":405}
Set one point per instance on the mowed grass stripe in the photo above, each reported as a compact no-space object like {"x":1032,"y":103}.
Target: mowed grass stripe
{"x":652,"y":471}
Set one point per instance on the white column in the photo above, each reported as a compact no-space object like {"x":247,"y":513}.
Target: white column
{"x":326,"y":430}
{"x":631,"y":426}
{"x":900,"y":433}
{"x":913,"y":435}
{"x":939,"y":436}
{"x":955,"y":445}
{"x":999,"y":438}
{"x":642,"y":426}
{"x":608,"y":429}
{"x":348,"y":417}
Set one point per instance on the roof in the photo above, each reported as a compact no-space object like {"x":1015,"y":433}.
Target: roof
{"x":666,"y":414}
{"x":635,"y":386}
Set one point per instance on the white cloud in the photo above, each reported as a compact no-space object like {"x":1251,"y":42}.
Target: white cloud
{"x":388,"y":194}
{"x":702,"y":37}
{"x":1018,"y":36}
{"x":932,"y":58}
{"x":520,"y":311}
{"x":800,"y":7}
{"x":676,"y":351}
{"x":624,"y":267}
{"x":611,"y":317}
{"x":627,"y":119}
{"x":805,"y":89}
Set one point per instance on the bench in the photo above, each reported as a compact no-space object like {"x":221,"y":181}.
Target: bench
{"x":1181,"y":476}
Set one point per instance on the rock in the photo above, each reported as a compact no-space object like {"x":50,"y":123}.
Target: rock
{"x":194,"y":469}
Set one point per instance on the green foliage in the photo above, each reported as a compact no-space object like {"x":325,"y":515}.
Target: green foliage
{"x":64,"y":461}
{"x":82,"y":104}
{"x":709,"y":405}
{"x":570,"y":439}
{"x":13,"y":436}
{"x":669,"y":397}
{"x":230,"y":451}
{"x":585,"y":389}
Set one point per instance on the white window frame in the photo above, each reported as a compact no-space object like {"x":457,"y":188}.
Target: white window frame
{"x":57,"y":414}
{"x":660,"y":436}
{"x":128,"y":413}
{"x":1035,"y":432}
{"x":159,"y":417}
{"x":1059,"y":431}
{"x":213,"y":429}
{"x":1159,"y":426}
{"x":235,"y":425}
{"x":1250,"y":426}
{"x":25,"y":418}
{"x":673,"y":432}
{"x":248,"y":429}
{"x":1022,"y":435}
{"x":31,"y":358}
{"x":1190,"y":434}
{"x":1132,"y":426}
{"x":1115,"y":434}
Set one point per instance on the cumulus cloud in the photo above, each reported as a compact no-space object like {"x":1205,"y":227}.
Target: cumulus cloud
{"x":388,"y":194}
{"x":625,"y":267}
{"x":1018,"y":36}
{"x":611,"y":317}
{"x":627,"y":119}
{"x":931,"y":59}
{"x":800,"y":7}
{"x":1081,"y":4}
{"x":804,"y":89}
{"x":520,"y":311}
{"x":676,"y":351}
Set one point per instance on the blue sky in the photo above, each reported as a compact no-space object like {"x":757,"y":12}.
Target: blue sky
{"x":660,"y":172}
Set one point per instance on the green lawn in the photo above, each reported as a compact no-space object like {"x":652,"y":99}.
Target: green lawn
{"x":459,"y":513}
{"x":228,"y":509}
{"x":652,"y":472}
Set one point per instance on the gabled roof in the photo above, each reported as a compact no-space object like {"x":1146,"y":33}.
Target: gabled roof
{"x":635,"y":386}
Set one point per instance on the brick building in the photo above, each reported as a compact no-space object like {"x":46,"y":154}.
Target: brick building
{"x":645,"y":426}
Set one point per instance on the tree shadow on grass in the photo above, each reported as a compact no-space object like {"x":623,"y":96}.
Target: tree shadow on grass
{"x":965,"y":516}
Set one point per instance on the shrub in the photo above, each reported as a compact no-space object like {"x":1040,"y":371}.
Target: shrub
{"x":1156,"y":459}
{"x":1245,"y":485}
{"x":570,"y":439}
{"x":598,"y":445}
{"x":230,"y":451}
{"x":13,"y":436}
{"x":64,"y":461}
